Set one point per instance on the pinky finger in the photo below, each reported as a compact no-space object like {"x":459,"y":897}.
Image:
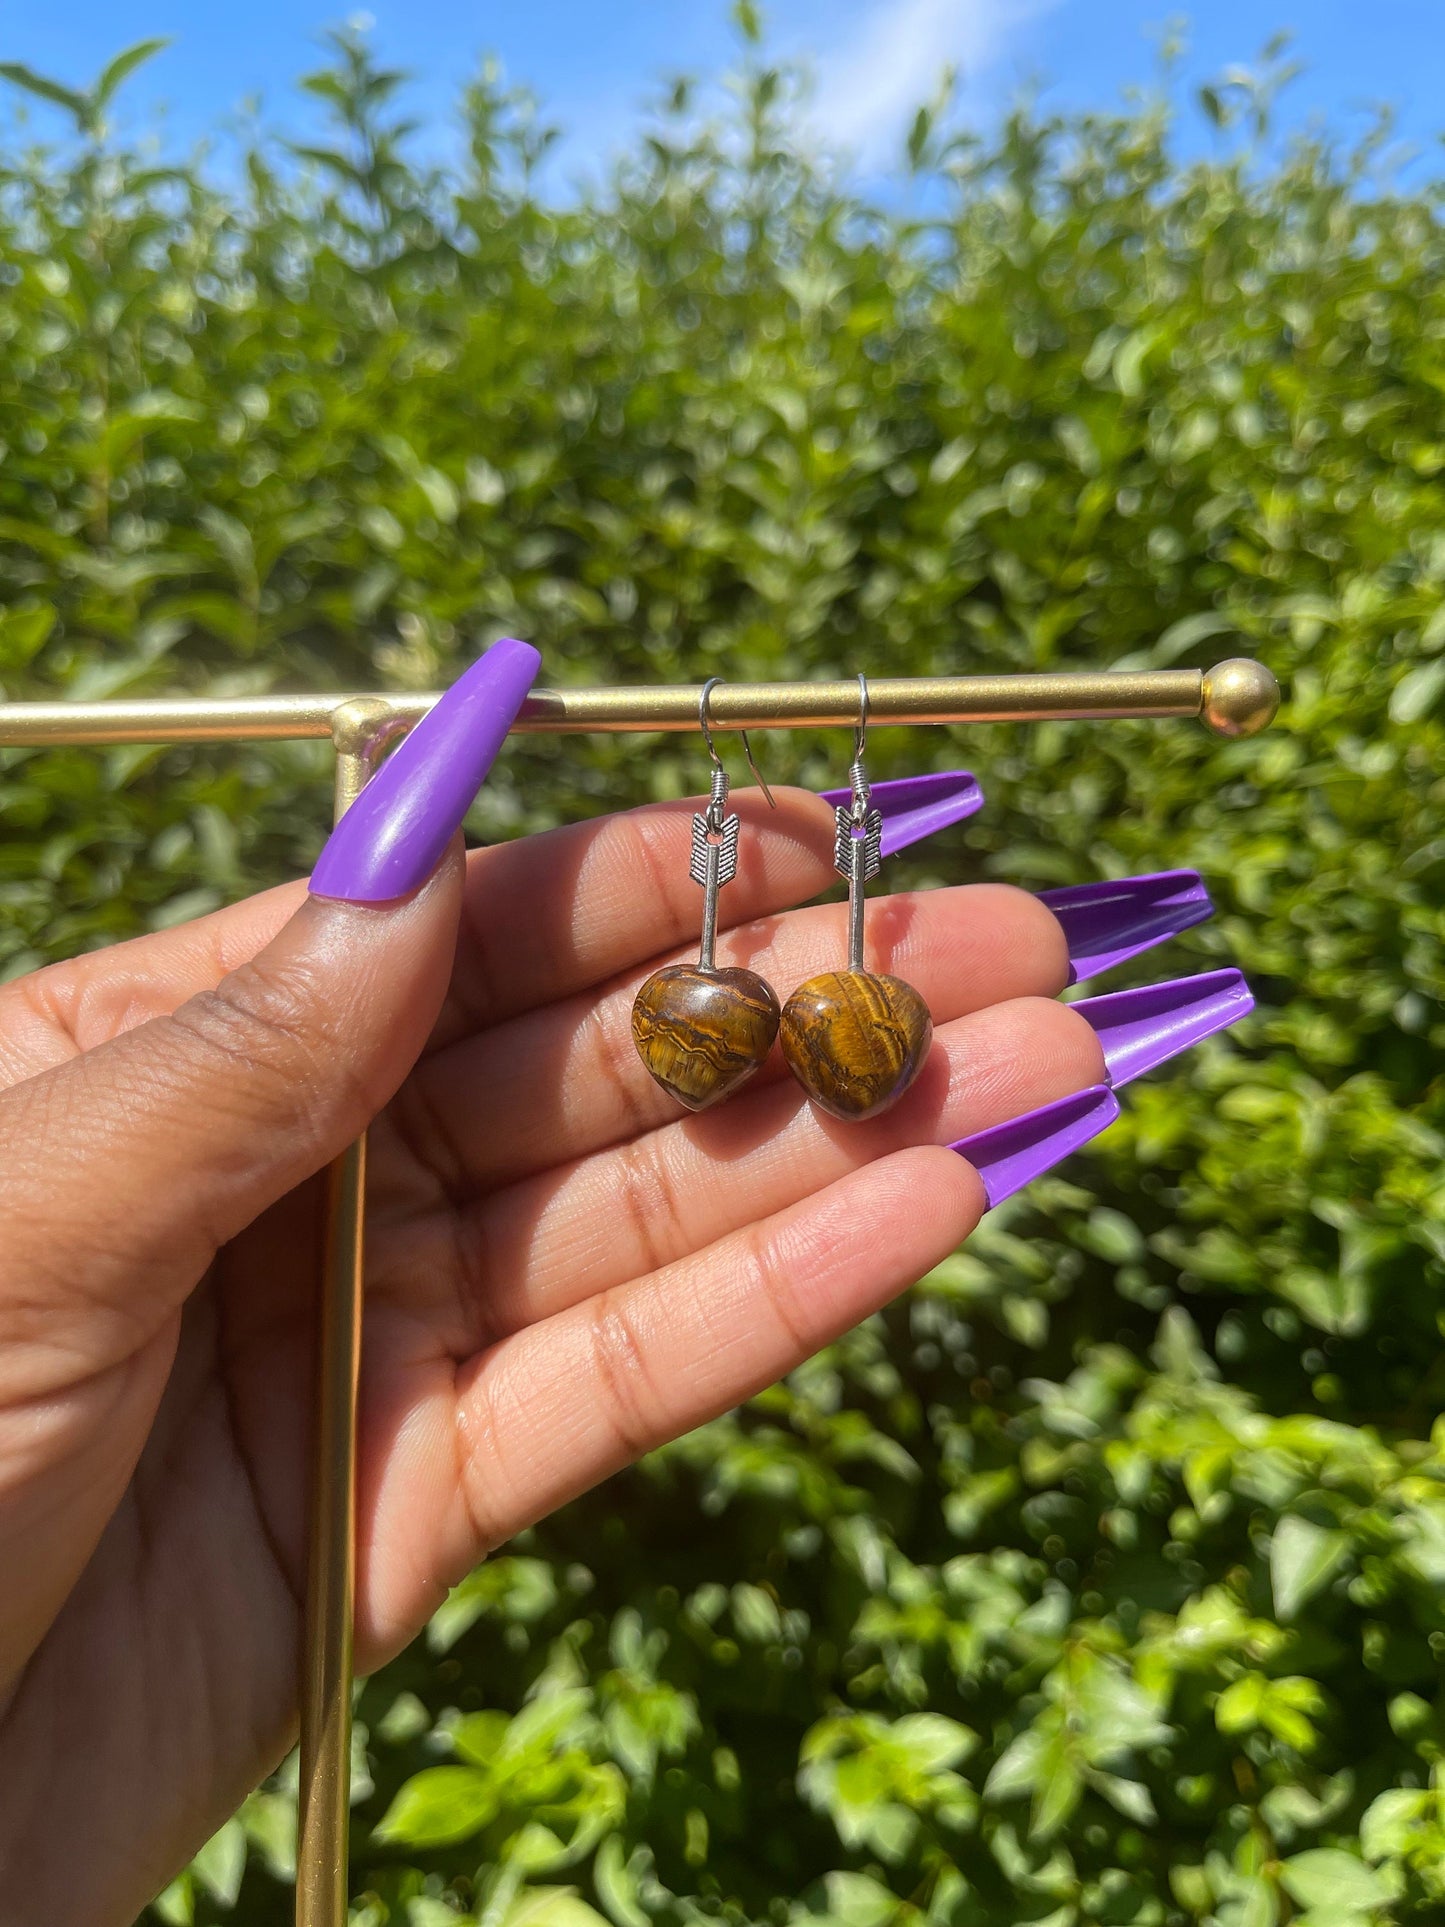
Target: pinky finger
{"x":551,"y":1410}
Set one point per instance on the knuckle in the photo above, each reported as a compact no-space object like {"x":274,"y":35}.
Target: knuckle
{"x":427,"y":1135}
{"x":628,"y":1398}
{"x":274,"y":1039}
{"x":614,"y":1062}
{"x":646,"y":861}
{"x":482,"y":1477}
{"x":772,"y":1281}
{"x":648,"y":1201}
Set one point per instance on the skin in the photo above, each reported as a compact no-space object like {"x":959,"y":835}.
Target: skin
{"x":564,"y":1268}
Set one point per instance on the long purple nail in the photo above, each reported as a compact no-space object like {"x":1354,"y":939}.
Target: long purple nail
{"x":913,"y":807}
{"x":1012,"y":1155}
{"x":1107,"y":923}
{"x":1142,"y":1028}
{"x":396,"y":832}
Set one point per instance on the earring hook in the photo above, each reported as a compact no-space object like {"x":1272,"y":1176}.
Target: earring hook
{"x":860,"y":735}
{"x":705,"y":724}
{"x":858,"y":774}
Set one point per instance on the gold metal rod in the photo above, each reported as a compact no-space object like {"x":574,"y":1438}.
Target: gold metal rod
{"x":360,"y":730}
{"x":1235,"y":698}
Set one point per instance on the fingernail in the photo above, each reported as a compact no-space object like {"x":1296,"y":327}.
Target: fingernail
{"x":1142,"y":1028}
{"x":1107,"y":923}
{"x":1012,"y":1155}
{"x":913,"y":807}
{"x":396,"y":832}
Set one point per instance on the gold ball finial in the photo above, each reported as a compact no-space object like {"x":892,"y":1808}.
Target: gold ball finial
{"x":1239,"y":697}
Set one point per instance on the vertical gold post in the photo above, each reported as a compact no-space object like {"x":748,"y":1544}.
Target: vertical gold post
{"x":360,"y":730}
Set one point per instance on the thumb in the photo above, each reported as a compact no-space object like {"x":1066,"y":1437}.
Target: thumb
{"x":122,"y":1172}
{"x":125,"y":1169}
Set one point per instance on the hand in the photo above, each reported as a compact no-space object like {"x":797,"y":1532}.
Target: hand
{"x":563,"y":1271}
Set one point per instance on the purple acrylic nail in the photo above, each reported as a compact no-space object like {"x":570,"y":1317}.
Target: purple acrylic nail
{"x":1107,"y":923}
{"x":913,"y":807}
{"x":1142,"y":1028}
{"x":1012,"y":1155}
{"x":396,"y":832}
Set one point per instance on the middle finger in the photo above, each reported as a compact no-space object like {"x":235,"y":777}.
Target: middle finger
{"x":552,"y":1085}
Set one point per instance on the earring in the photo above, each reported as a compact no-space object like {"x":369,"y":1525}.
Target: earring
{"x":702,"y":1031}
{"x":856,"y":1040}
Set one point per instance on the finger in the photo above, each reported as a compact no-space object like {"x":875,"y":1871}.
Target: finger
{"x":456,"y":1464}
{"x":126,"y":1168}
{"x":565,"y":914}
{"x":548,"y":916}
{"x":495,"y":1108}
{"x":634,"y":1367}
{"x":533,"y":1249}
{"x":52,"y":1015}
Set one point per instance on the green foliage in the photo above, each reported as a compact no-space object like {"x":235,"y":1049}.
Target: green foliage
{"x":1101,"y":1580}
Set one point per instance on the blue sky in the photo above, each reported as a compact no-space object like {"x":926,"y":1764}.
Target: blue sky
{"x":595,"y":63}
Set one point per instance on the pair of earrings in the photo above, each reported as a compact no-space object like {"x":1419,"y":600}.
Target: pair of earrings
{"x":854,"y":1039}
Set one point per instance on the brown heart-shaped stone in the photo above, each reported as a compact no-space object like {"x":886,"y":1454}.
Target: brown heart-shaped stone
{"x":855,"y":1041}
{"x":701,"y":1033}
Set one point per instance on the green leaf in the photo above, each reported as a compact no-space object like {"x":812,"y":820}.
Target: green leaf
{"x":1417,"y":691}
{"x":1017,"y":1768}
{"x":221,"y":1863}
{"x":551,"y":1907}
{"x":1187,"y":633}
{"x":19,"y":75}
{"x":1131,"y":1797}
{"x":1240,"y":1706}
{"x":1392,"y":1820}
{"x":1129,"y":361}
{"x":176,"y":1905}
{"x":438,"y":1807}
{"x":24,"y":631}
{"x":748,"y":20}
{"x":1335,"y":1882}
{"x":1060,"y":1789}
{"x":122,"y":67}
{"x":932,"y":1742}
{"x":1303,"y":1557}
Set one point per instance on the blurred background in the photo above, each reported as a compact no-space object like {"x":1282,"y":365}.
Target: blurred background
{"x":871,"y":63}
{"x":1100,"y":1580}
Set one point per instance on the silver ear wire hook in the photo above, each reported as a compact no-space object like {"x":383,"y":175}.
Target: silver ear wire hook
{"x":857,"y":851}
{"x":858,"y":774}
{"x":705,"y":723}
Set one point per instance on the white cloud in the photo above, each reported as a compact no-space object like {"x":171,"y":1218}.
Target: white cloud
{"x":890,"y":58}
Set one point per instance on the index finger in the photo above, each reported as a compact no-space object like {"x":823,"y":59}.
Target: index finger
{"x":548,"y":916}
{"x":64,"y":1009}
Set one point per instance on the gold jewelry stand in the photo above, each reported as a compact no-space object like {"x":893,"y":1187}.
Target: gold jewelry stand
{"x":1237,"y":698}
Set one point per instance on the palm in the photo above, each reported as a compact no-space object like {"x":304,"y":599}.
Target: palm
{"x":561,"y":1273}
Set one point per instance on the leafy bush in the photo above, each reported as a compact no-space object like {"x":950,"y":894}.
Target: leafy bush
{"x":1101,"y":1579}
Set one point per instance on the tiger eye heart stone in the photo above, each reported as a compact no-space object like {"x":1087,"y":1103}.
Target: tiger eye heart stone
{"x":701,"y":1033}
{"x":855,"y":1041}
